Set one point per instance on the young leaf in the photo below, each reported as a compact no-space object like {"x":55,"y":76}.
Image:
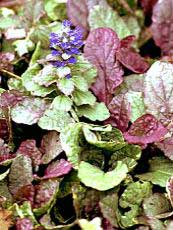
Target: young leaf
{"x":85,"y":70}
{"x":66,"y":86}
{"x":62,"y":102}
{"x":144,"y":130}
{"x":30,"y":84}
{"x":95,"y":178}
{"x":83,"y":98}
{"x":100,"y":49}
{"x":97,"y":112}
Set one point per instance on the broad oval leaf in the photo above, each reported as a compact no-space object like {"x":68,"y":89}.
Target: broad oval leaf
{"x":100,"y":49}
{"x":161,"y":27}
{"x":95,"y":178}
{"x":158,"y":91}
{"x":145,"y":129}
{"x":29,"y":111}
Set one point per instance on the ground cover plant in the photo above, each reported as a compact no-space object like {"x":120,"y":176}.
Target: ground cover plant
{"x":86,"y":114}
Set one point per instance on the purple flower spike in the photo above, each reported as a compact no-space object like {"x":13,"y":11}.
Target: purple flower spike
{"x":66,"y":45}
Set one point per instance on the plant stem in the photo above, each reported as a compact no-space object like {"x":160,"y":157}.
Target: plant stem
{"x":10,"y":74}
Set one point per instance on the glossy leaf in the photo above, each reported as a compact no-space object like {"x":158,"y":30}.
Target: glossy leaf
{"x":100,"y":49}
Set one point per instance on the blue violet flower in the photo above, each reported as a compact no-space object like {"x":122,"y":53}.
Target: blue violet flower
{"x":65,"y":45}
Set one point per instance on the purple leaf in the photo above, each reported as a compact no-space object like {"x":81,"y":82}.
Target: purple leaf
{"x":25,"y":193}
{"x":144,"y":130}
{"x":131,"y":60}
{"x":50,"y":146}
{"x":6,"y":59}
{"x":57,"y":169}
{"x":29,"y":148}
{"x":167,"y":147}
{"x":120,"y":112}
{"x":127,"y":41}
{"x":148,"y":5}
{"x":162,"y":21}
{"x":24,"y":224}
{"x":4,"y":132}
{"x":10,"y":98}
{"x":100,"y":49}
{"x":45,"y":192}
{"x":78,"y":13}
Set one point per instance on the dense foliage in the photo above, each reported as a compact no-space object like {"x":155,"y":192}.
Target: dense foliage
{"x":86,"y":114}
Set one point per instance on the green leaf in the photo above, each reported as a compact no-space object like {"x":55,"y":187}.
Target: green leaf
{"x":97,"y":112}
{"x":105,"y":16}
{"x":62,"y":103}
{"x":128,"y":154}
{"x":109,"y":209}
{"x":55,"y":9}
{"x":54,"y":119}
{"x":161,"y":169}
{"x":66,"y":86}
{"x":83,"y":68}
{"x":136,"y":101}
{"x":156,"y":204}
{"x":132,"y":25}
{"x":39,"y":53}
{"x":25,"y":211}
{"x":16,"y":84}
{"x":109,"y":140}
{"x":94,"y":224}
{"x":83,"y":98}
{"x":40,"y":33}
{"x":20,"y":173}
{"x":95,"y":178}
{"x":31,"y":85}
{"x":23,"y":46}
{"x":132,"y":198}
{"x":70,"y":139}
{"x":135,"y":193}
{"x":28,"y":111}
{"x":80,"y":83}
{"x":46,"y":76}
